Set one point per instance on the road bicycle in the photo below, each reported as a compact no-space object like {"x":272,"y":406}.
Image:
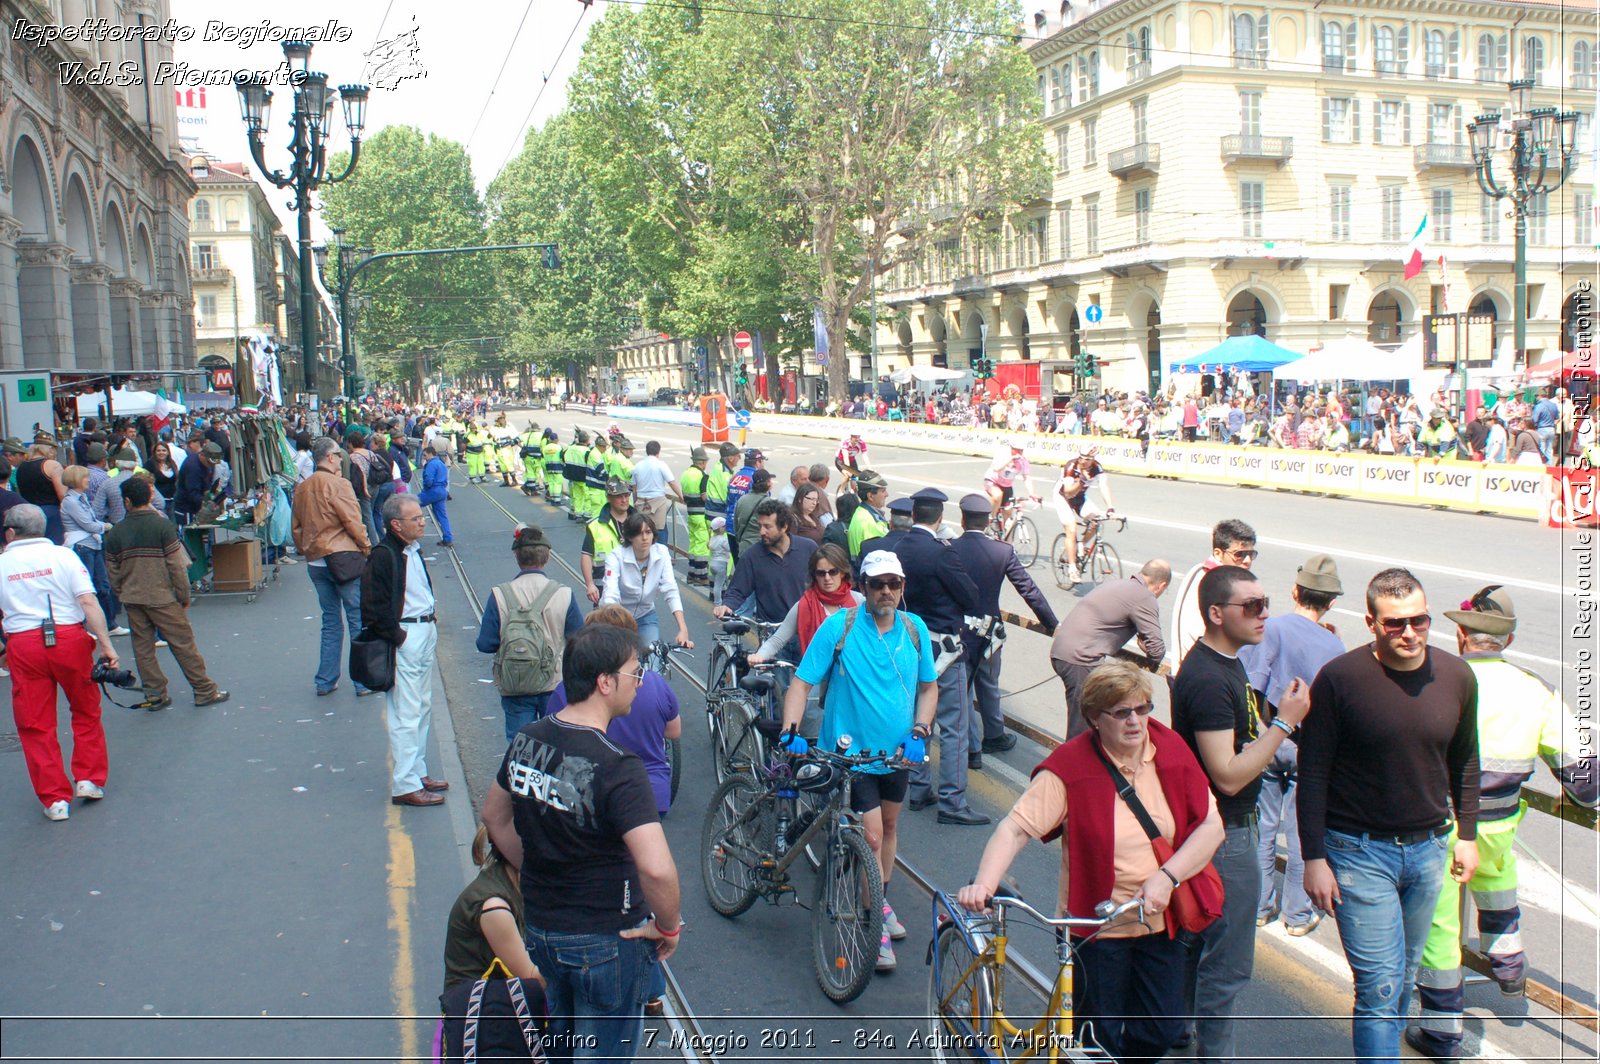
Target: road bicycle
{"x":736,"y":696}
{"x":1097,"y":562}
{"x":967,"y":983}
{"x":1010,"y":525}
{"x":658,"y":656}
{"x":759,"y":827}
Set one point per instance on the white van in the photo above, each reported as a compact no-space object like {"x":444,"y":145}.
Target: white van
{"x":636,"y":391}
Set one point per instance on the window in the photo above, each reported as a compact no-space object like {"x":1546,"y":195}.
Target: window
{"x":1338,"y":46}
{"x":1444,"y":123}
{"x":1338,"y":212}
{"x":1583,"y":65}
{"x":1338,"y":295}
{"x":1442,"y":54}
{"x":1062,"y":154}
{"x":1394,"y":225}
{"x":1250,"y":113}
{"x":1391,"y":48}
{"x":202,"y":211}
{"x":1138,"y":44}
{"x":1250,"y":41}
{"x":207,"y":305}
{"x":1088,"y":76}
{"x":1053,"y":104}
{"x":1442,"y":216}
{"x":1341,"y":121}
{"x":1494,"y":57}
{"x":1538,"y":218}
{"x":1088,"y":141}
{"x":1391,"y":122}
{"x":205,"y":256}
{"x":1141,"y":216}
{"x":1533,"y":59}
{"x":1489,"y":219}
{"x":1091,"y":224}
{"x":1583,"y":217}
{"x":1252,"y":208}
{"x":1065,"y":235}
{"x":230,"y":211}
{"x":1141,"y":121}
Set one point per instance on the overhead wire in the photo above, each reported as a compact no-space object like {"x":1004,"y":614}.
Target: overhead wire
{"x":516,"y":142}
{"x":503,"y":62}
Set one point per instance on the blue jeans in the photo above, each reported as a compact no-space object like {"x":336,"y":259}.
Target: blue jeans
{"x":649,"y":628}
{"x":1277,"y":807}
{"x":95,"y":561}
{"x":341,"y":604}
{"x":520,"y":710}
{"x":595,"y":989}
{"x":1388,"y":894}
{"x":379,"y":497}
{"x":1226,"y":956}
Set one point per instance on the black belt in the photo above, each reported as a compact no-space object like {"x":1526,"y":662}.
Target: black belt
{"x":1411,"y":838}
{"x":1242,"y":820}
{"x":427,"y":618}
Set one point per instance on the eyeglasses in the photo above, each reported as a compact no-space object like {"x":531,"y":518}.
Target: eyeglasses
{"x":1243,"y":555}
{"x":820,"y":573}
{"x":1254,"y":607}
{"x":636,"y":676}
{"x":1144,"y":709}
{"x":1398,"y":625}
{"x":886,"y":583}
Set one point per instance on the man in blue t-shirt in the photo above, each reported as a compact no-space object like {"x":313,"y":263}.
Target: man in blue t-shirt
{"x":882,"y":692}
{"x":1546,"y":420}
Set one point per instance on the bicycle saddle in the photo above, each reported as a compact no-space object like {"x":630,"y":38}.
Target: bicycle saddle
{"x":756,"y":682}
{"x":735,"y":627}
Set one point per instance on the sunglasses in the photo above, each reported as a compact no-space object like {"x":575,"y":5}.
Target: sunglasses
{"x":886,"y":583}
{"x":1398,"y":625}
{"x":818,"y":574}
{"x":1246,"y":555}
{"x":1252,"y":607}
{"x":1124,"y":712}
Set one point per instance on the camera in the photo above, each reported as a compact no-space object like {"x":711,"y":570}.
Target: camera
{"x":103,"y":673}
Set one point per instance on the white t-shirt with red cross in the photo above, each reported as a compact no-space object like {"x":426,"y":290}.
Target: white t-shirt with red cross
{"x":39,"y":579}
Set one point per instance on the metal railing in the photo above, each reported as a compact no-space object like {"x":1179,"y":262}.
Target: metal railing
{"x":1146,"y":155}
{"x":1452,"y":155}
{"x":1247,"y":146}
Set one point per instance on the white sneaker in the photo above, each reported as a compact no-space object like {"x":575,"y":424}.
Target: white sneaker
{"x":1074,"y":574}
{"x":891,"y":924}
{"x":118,"y":630}
{"x":161,"y":642}
{"x":57,"y":811}
{"x":886,"y":961}
{"x":90,"y":792}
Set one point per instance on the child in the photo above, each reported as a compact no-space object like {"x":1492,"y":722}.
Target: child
{"x":721,"y":558}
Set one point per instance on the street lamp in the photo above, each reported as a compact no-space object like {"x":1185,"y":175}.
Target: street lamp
{"x":348,"y":257}
{"x":312,"y":124}
{"x":1542,"y":145}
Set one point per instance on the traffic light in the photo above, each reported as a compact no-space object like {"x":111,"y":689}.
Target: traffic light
{"x":983,"y":368}
{"x":744,"y":375}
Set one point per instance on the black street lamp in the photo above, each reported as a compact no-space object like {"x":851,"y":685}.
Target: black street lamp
{"x":312,"y":123}
{"x":1541,"y":145}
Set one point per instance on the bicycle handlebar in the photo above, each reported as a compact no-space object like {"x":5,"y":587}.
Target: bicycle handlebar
{"x":775,"y":663}
{"x":1105,"y":913}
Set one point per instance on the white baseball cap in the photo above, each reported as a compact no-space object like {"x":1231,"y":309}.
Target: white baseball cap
{"x":882,"y":563}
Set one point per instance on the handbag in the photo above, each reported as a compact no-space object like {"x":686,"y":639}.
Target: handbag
{"x":371,"y":661}
{"x":492,"y":1018}
{"x":346,"y":565}
{"x":1197,"y":901}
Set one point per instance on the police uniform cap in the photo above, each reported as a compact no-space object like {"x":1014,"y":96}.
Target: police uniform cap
{"x":930,"y":495}
{"x":901,"y":505}
{"x":976,"y":504}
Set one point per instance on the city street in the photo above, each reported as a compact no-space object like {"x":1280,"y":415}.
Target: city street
{"x":246,"y":865}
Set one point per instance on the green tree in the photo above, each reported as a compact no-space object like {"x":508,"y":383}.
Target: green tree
{"x":411,"y":192}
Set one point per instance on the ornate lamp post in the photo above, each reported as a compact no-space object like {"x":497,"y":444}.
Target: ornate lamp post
{"x":1541,"y":145}
{"x":312,"y":124}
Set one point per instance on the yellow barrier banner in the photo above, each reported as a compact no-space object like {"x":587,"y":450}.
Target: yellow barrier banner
{"x":1337,"y":474}
{"x":1288,"y":469}
{"x":1442,"y":482}
{"x":1512,"y":489}
{"x":1389,"y":478}
{"x":1165,"y":460}
{"x":1247,"y":465}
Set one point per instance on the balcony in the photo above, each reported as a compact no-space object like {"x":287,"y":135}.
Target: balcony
{"x":1144,"y":257}
{"x":1237,"y":147}
{"x":210,"y":274}
{"x":1138,"y":70}
{"x":1444,"y":157}
{"x":1141,"y":158}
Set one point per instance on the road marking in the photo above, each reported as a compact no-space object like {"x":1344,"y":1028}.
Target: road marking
{"x":402,"y":879}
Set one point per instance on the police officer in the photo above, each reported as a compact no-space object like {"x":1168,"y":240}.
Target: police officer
{"x":991,"y":563}
{"x":694,"y":482}
{"x":941,"y":592}
{"x":603,"y":535}
{"x":899,"y":525}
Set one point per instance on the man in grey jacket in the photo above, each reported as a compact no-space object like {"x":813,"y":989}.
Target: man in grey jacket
{"x":1098,"y":626}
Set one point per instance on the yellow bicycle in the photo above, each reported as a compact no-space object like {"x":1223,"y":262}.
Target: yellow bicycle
{"x":966,"y":988}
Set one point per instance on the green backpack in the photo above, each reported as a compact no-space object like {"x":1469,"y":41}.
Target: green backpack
{"x":527,"y":662}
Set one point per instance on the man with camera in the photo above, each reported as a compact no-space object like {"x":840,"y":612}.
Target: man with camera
{"x":52,"y":624}
{"x":150,"y":576}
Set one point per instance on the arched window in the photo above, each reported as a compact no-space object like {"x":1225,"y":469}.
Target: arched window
{"x":1436,"y":56}
{"x":1338,"y":46}
{"x":1250,"y":40}
{"x":1533,"y":59}
{"x":1391,"y":46}
{"x":202,"y":211}
{"x":1493,"y":56}
{"x":1583,"y":65}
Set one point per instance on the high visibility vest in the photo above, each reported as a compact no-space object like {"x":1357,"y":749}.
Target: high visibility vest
{"x":553,"y":462}
{"x":1521,"y":718}
{"x":572,"y":461}
{"x":717,"y":492}
{"x":597,"y":468}
{"x":620,"y":467}
{"x":693,"y":483}
{"x":607,"y":536}
{"x":531,"y":444}
{"x":477,"y":440}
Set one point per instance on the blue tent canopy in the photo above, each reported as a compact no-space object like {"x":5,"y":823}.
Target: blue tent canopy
{"x":1249,"y":354}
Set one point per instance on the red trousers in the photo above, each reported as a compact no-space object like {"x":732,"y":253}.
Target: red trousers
{"x":36,"y":672}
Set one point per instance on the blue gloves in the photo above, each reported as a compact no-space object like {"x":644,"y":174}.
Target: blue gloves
{"x":793,"y":743}
{"x":914,"y":749}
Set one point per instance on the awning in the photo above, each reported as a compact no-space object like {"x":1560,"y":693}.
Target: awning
{"x":925,"y":374}
{"x":124,"y":403}
{"x":1248,"y":354}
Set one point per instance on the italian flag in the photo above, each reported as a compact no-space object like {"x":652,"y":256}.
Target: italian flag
{"x":1415,"y":250}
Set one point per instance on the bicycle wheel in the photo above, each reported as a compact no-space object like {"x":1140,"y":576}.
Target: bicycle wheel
{"x":1106,"y":564}
{"x":733,"y":719}
{"x":959,"y":1004}
{"x":847,"y":917}
{"x":719,"y":671}
{"x":747,"y":751}
{"x":674,"y":758}
{"x":1025,"y":541}
{"x":733,"y":842}
{"x":1058,"y":563}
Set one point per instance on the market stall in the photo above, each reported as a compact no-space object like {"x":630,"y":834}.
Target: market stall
{"x":235,"y":538}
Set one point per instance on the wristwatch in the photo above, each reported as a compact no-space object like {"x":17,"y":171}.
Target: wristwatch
{"x":1285,"y":726}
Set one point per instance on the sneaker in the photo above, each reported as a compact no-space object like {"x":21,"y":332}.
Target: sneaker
{"x":119,"y":630}
{"x":57,"y":811}
{"x":215,"y":700}
{"x":891,"y":924}
{"x":161,"y":642}
{"x":886,"y":960}
{"x":1302,"y":930}
{"x":1074,"y":574}
{"x":90,"y":792}
{"x":1263,"y":919}
{"x":655,"y":1007}
{"x":288,"y":559}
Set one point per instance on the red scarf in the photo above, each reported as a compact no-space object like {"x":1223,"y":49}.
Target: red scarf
{"x":814,"y":609}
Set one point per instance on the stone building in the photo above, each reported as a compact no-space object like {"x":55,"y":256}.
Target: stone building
{"x":233,"y":264}
{"x":94,"y":193}
{"x":1225,"y":168}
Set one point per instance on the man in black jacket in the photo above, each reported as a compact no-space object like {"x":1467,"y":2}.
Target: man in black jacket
{"x":991,"y":563}
{"x":397,"y":606}
{"x":940,"y":591}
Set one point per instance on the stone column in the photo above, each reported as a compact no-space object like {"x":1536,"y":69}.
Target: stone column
{"x":127,"y":339}
{"x":10,"y":309}
{"x":45,"y":288}
{"x":91,"y":314}
{"x":151,"y":333}
{"x":185,"y":357}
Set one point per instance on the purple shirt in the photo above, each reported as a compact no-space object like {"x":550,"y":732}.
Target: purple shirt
{"x":640,"y":732}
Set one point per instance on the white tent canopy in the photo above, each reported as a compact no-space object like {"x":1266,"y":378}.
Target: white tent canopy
{"x":1350,"y":358}
{"x":124,"y":403}
{"x":925,"y":374}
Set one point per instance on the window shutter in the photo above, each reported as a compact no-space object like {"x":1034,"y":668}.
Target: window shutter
{"x":1402,"y":49}
{"x":1327,"y":120}
{"x":1261,"y":38}
{"x":1405,"y":120}
{"x":1454,"y":51}
{"x":1377,"y":121}
{"x":1460,"y":130}
{"x":1355,"y":121}
{"x":1350,"y":46}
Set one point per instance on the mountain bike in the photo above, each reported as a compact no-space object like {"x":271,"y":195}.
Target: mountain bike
{"x":731,"y":703}
{"x":657,"y":656}
{"x":757,"y":828}
{"x":1010,"y":525}
{"x":1097,"y":561}
{"x":966,"y":987}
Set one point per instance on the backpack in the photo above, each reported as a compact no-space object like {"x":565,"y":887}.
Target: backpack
{"x":498,"y":1017}
{"x":526,"y":663}
{"x":838,"y":648}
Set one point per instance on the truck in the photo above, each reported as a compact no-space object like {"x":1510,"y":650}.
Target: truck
{"x":636,"y":391}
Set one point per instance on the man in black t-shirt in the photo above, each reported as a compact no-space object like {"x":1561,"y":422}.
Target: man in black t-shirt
{"x":576,"y":814}
{"x":1217,"y":714}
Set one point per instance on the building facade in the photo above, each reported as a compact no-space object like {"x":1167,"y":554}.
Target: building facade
{"x":233,"y":262}
{"x":1225,"y":168}
{"x":94,"y":241}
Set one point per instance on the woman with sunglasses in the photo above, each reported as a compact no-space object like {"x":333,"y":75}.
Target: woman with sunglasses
{"x":1132,"y":975}
{"x":829,"y":592}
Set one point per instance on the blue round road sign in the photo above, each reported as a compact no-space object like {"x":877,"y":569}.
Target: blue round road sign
{"x":741,"y":418}
{"x":1094,"y":312}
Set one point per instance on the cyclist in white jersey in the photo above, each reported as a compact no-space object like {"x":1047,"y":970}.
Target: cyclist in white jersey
{"x":1009,"y":466}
